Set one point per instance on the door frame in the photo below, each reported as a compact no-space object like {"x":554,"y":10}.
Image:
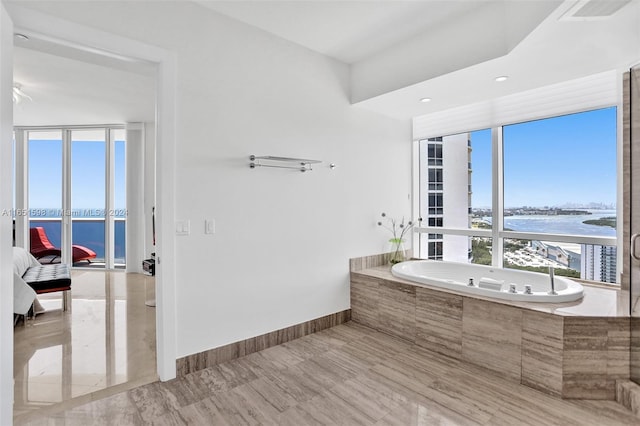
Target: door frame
{"x":67,"y":33}
{"x":6,"y":226}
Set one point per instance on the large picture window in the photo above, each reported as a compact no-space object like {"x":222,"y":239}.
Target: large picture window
{"x":527,"y":196}
{"x":76,"y":191}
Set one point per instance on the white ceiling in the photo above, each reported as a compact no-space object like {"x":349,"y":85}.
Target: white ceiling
{"x":69,"y":86}
{"x":560,"y":49}
{"x":345,"y":30}
{"x":79,"y":87}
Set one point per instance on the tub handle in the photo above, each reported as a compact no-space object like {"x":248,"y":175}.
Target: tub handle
{"x":632,"y":249}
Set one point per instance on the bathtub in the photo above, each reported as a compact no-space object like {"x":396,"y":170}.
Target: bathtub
{"x":489,"y":281}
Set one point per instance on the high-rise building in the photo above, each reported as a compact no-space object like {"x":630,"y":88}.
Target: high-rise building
{"x":598,"y":263}
{"x":445,"y":198}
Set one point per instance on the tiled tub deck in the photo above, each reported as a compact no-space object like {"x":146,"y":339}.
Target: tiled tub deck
{"x":570,"y":350}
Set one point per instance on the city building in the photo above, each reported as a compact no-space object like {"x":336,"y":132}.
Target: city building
{"x":599,"y":263}
{"x":445,"y":195}
{"x":568,"y":255}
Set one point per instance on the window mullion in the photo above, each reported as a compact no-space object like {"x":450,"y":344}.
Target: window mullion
{"x":109,"y":200}
{"x":67,"y":227}
{"x":497,"y":214}
{"x":416,"y":197}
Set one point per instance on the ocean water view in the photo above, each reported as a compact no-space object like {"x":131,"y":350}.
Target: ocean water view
{"x":87,"y":228}
{"x":561,"y":224}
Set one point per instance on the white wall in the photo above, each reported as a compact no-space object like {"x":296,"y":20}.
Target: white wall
{"x":283,"y":238}
{"x":6,"y":190}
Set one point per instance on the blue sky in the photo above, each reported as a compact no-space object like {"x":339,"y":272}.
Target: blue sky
{"x":87,"y":174}
{"x":552,"y":162}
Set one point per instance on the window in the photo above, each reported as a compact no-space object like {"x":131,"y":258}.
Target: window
{"x":435,"y":178}
{"x":560,"y":172}
{"x":88,"y":189}
{"x":447,"y":194}
{"x":558,"y":178}
{"x":435,"y":221}
{"x":435,"y":203}
{"x":435,"y":250}
{"x":77,"y":174}
{"x":435,"y":153}
{"x":45,"y":183}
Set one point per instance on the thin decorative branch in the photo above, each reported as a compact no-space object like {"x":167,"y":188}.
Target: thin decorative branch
{"x":398,"y":230}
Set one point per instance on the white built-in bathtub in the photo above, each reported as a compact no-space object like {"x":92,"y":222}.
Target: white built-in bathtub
{"x":489,"y":281}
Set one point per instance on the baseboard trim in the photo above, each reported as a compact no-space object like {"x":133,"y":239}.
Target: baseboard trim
{"x":202,"y":360}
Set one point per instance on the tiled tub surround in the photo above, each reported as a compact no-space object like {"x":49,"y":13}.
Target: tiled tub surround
{"x":571,"y":350}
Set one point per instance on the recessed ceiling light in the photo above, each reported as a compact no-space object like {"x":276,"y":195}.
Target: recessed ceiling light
{"x":425,"y":100}
{"x":502,"y":78}
{"x":21,"y":36}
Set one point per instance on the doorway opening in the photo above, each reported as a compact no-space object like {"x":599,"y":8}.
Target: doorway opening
{"x":75,"y":180}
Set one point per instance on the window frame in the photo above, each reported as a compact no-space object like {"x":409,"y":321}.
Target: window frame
{"x":21,"y":175}
{"x":498,"y":234}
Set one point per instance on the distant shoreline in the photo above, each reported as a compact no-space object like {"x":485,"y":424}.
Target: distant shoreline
{"x":537,"y":211}
{"x":603,"y":221}
{"x":554,"y":224}
{"x":545,"y":212}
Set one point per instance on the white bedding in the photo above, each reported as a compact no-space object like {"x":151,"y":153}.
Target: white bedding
{"x":23,"y":294}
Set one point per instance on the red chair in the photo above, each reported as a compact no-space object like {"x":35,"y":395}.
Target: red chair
{"x":42,"y":247}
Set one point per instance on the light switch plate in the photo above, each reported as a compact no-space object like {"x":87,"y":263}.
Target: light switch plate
{"x":209,"y":226}
{"x":183,"y":227}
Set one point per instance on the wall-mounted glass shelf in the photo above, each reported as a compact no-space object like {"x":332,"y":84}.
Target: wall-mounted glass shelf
{"x":301,"y":164}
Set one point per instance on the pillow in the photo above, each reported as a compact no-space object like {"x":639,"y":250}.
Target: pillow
{"x":22,"y":260}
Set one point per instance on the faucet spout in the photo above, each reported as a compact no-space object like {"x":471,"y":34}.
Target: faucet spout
{"x":552,"y":280}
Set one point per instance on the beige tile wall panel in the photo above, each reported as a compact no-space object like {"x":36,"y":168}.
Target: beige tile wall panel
{"x":492,"y":337}
{"x":397,"y":309}
{"x":364,"y":300}
{"x":618,"y":349}
{"x":439,"y":322}
{"x":542,"y":352}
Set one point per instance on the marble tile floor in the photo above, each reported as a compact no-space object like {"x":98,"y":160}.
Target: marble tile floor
{"x":104,"y":344}
{"x":345,"y":375}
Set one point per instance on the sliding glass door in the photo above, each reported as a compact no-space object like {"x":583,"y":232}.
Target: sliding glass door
{"x":76,"y":195}
{"x":45,"y":181}
{"x":88,"y":199}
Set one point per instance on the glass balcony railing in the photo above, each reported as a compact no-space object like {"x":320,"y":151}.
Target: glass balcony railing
{"x":90,"y":233}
